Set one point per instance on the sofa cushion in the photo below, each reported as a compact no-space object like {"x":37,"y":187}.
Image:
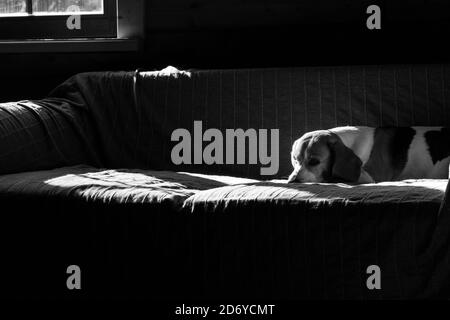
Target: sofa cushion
{"x":123,"y":186}
{"x":313,"y":195}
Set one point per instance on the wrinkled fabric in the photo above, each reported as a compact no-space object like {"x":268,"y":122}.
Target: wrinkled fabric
{"x":312,"y":195}
{"x":124,"y":186}
{"x":161,"y":230}
{"x":207,"y":235}
{"x":316,"y":241}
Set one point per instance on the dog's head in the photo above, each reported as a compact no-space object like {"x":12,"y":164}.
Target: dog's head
{"x":321,"y":156}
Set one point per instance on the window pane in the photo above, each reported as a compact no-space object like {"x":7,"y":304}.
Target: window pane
{"x":13,"y":7}
{"x":65,"y":6}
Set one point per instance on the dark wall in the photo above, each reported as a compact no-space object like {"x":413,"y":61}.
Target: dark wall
{"x":211,"y":33}
{"x":239,"y":33}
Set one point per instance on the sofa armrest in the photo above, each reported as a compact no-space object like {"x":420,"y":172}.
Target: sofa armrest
{"x":45,"y":134}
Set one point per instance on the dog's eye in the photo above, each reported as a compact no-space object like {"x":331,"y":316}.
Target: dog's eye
{"x":313,"y":162}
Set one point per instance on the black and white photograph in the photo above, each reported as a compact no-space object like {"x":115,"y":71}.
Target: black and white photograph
{"x":224,"y":159}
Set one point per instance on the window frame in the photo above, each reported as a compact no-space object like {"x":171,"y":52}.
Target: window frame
{"x":54,"y":26}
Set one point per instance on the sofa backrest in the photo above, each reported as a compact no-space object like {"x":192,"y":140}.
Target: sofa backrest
{"x":134,"y":114}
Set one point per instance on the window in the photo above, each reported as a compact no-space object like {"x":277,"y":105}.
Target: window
{"x":48,"y":19}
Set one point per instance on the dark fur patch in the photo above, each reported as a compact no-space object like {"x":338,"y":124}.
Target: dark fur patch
{"x":438,"y":144}
{"x":389,"y":153}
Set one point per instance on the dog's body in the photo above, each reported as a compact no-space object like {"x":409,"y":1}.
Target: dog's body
{"x":366,"y":154}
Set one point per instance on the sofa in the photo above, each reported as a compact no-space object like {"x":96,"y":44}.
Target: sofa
{"x":88,"y":178}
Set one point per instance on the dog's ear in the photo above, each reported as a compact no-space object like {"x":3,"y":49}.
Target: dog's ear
{"x":295,"y":153}
{"x":347,"y":165}
{"x":293,"y":176}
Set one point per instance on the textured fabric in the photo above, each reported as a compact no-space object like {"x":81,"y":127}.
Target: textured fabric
{"x":125,"y":119}
{"x":165,"y":234}
{"x":312,"y":195}
{"x":124,"y":228}
{"x":134,"y":114}
{"x":438,"y":254}
{"x":316,"y":241}
{"x":123,"y":186}
{"x":162,"y":234}
{"x":36,"y":135}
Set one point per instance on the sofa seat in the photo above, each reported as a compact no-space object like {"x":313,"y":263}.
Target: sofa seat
{"x":313,"y":195}
{"x":125,"y":221}
{"x":120,"y":186}
{"x":207,"y":235}
{"x":191,"y":190}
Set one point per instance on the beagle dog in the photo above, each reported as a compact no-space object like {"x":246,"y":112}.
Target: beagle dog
{"x":368,"y":155}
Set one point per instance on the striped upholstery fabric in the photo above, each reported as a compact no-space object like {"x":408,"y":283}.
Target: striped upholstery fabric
{"x":300,"y":100}
{"x":37,"y":135}
{"x":315,"y":241}
{"x":125,"y":119}
{"x":266,"y":244}
{"x":135,"y":113}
